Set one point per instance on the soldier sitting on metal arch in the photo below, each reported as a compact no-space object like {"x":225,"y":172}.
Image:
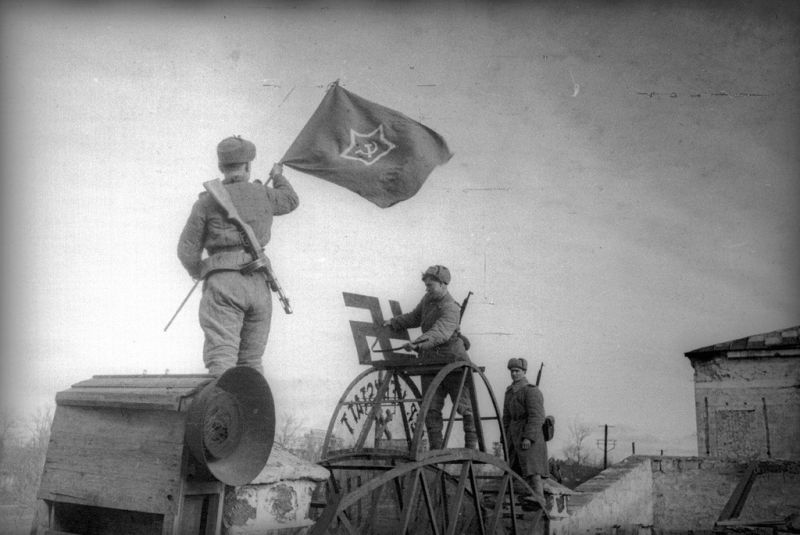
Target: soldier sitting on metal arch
{"x":438,"y":315}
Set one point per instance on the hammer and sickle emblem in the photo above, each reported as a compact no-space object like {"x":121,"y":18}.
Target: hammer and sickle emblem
{"x":368,"y":148}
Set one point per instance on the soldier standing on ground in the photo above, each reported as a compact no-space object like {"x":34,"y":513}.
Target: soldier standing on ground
{"x":523,"y":417}
{"x":236,"y":309}
{"x":439,"y":315}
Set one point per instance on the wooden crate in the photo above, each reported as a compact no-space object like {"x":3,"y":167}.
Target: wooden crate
{"x":117,"y":461}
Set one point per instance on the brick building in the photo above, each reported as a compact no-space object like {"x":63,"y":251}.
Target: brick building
{"x":747,"y":396}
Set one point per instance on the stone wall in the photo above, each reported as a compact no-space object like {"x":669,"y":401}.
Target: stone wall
{"x":690,"y":492}
{"x":664,"y":495}
{"x":618,"y":500}
{"x":748,"y":407}
{"x":775,"y":493}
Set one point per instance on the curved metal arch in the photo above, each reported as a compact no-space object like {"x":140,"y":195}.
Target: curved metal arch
{"x":410,"y":485}
{"x":339,"y":405}
{"x":428,"y":398}
{"x":393,"y":375}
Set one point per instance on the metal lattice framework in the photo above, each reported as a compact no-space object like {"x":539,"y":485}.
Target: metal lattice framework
{"x":385,"y":479}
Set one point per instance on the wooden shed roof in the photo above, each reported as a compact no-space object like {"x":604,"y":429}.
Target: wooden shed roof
{"x":153,"y":392}
{"x":784,"y":342}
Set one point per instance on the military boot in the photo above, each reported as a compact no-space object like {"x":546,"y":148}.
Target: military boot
{"x":535,"y":500}
{"x":471,"y":440}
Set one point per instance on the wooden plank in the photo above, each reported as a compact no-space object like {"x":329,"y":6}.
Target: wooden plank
{"x":740,"y":493}
{"x":412,"y":365}
{"x":779,"y":523}
{"x":122,"y":459}
{"x":170,"y":526}
{"x":167,"y":425}
{"x":214,"y":513}
{"x":146,"y":460}
{"x":415,"y":366}
{"x":41,"y":517}
{"x":131,"y":398}
{"x":203,"y":487}
{"x":143,"y":381}
{"x":191,"y":514}
{"x":98,"y":491}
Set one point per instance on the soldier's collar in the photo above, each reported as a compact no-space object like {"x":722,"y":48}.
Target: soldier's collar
{"x":522,"y":383}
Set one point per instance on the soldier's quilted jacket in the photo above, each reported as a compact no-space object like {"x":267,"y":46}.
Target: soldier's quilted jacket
{"x":439,"y":320}
{"x":523,"y":417}
{"x":208,"y":227}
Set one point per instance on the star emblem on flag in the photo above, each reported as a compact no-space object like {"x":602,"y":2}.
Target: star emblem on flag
{"x":368,"y":148}
{"x":387,"y":165}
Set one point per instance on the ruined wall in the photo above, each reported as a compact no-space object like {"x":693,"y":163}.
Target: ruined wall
{"x":619,"y":499}
{"x":690,"y":492}
{"x":775,"y":492}
{"x":664,"y":495}
{"x":278,"y":500}
{"x":748,"y":407}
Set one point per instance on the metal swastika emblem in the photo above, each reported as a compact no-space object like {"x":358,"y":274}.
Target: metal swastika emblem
{"x":382,"y":335}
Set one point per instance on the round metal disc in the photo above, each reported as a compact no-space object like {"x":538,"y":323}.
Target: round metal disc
{"x":230,"y":426}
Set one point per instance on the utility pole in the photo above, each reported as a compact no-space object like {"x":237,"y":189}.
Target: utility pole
{"x":606,"y":445}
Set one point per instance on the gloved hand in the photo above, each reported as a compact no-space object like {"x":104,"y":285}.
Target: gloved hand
{"x":277,"y":169}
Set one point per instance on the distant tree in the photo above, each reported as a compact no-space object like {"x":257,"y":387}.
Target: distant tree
{"x":29,"y":461}
{"x":6,"y":425}
{"x":39,"y":425}
{"x":575,"y":451}
{"x":288,"y":430}
{"x":313,"y":446}
{"x":497,"y":449}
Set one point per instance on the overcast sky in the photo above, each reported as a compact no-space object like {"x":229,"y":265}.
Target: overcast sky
{"x":624,"y":189}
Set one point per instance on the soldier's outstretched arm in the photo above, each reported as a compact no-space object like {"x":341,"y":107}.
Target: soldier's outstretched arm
{"x":284,"y":198}
{"x":409,"y":320}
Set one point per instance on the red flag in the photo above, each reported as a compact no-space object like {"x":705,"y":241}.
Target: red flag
{"x":367,"y":148}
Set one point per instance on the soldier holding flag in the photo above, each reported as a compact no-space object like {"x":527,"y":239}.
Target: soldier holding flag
{"x":236,"y":307}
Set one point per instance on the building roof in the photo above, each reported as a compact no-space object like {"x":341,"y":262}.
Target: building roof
{"x":774,"y":343}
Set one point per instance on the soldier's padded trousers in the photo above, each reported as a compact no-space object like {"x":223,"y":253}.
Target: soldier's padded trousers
{"x":433,"y":420}
{"x":235,"y":315}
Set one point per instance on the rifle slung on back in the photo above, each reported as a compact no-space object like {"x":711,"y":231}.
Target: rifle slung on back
{"x":260,"y":261}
